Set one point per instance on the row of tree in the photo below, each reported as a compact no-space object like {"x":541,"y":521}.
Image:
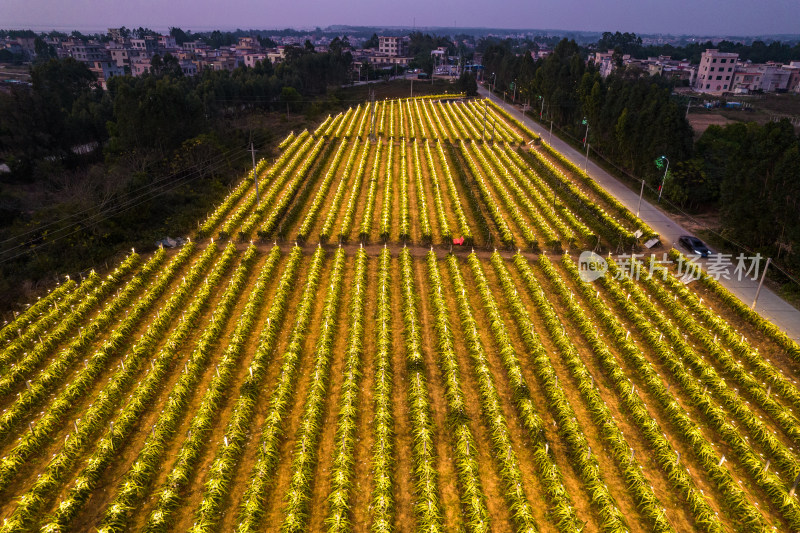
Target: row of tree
{"x":746,"y":172}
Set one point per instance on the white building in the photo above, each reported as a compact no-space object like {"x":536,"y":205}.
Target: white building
{"x":716,"y":71}
{"x":393,"y":46}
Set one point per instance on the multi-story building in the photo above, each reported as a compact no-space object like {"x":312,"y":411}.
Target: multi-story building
{"x":120,"y":56}
{"x":393,"y":46}
{"x":88,"y":52}
{"x":747,"y":78}
{"x":167,"y":43}
{"x":715,"y":72}
{"x":250,"y":60}
{"x":105,"y":70}
{"x":147,"y":46}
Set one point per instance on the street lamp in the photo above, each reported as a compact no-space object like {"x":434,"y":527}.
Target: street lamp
{"x":514,"y":97}
{"x":660,"y":165}
{"x":586,"y":135}
{"x":541,"y":113}
{"x":494,"y":81}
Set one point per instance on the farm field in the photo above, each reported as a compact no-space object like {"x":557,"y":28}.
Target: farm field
{"x":390,"y":328}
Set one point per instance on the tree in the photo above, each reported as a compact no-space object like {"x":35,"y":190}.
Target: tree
{"x":180,"y":35}
{"x":467,"y":84}
{"x":372,"y":42}
{"x":44,"y":51}
{"x":291,"y":99}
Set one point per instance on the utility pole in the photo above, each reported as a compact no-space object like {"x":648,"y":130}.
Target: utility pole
{"x":664,"y":179}
{"x":550,"y":142}
{"x":412,"y":87}
{"x":760,"y":283}
{"x":372,"y":118}
{"x":483,"y":134}
{"x":639,"y":207}
{"x":586,"y":161}
{"x":255,"y":175}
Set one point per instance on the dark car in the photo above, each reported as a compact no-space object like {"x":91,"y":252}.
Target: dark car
{"x":694,"y":245}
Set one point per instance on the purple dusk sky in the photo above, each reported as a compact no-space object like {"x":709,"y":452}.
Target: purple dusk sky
{"x":731,"y":17}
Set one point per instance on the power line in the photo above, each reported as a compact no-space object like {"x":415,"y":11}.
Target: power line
{"x":117,"y":209}
{"x":148,"y":187}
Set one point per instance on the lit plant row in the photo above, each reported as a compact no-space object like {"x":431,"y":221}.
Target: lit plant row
{"x":458,"y":112}
{"x":338,"y":197}
{"x":422,"y":204}
{"x":56,"y":298}
{"x":545,"y":208}
{"x":352,"y":200}
{"x":391,"y":119}
{"x":301,"y":176}
{"x":569,"y":429}
{"x":436,"y":133}
{"x":540,"y":190}
{"x":604,"y":195}
{"x":506,"y":237}
{"x":28,"y":338}
{"x":772,"y":376}
{"x":490,"y":123}
{"x":307,"y":155}
{"x":678,"y":477}
{"x":213,"y":220}
{"x":441,"y":214}
{"x":38,"y":389}
{"x":280,"y":400}
{"x":372,"y":191}
{"x":63,"y":325}
{"x":176,"y":404}
{"x":341,"y":472}
{"x":405,"y":210}
{"x":322,"y":192}
{"x":345,"y":121}
{"x":427,"y":507}
{"x":65,"y":401}
{"x":744,"y":311}
{"x":455,"y":200}
{"x":286,"y":158}
{"x":636,"y":483}
{"x":136,"y":482}
{"x":304,"y":457}
{"x":733,"y":496}
{"x":422,"y":125}
{"x":410,"y":121}
{"x":359,"y":111}
{"x":511,"y":206}
{"x":562,"y":509}
{"x":231,"y":447}
{"x":289,"y":138}
{"x":507,"y":116}
{"x":687,"y":324}
{"x":473,"y":497}
{"x":605,"y":224}
{"x":491,"y":408}
{"x":676,"y":355}
{"x":505,"y":178}
{"x":382,"y":498}
{"x":94,"y":418}
{"x":386,"y":208}
{"x":457,"y":125}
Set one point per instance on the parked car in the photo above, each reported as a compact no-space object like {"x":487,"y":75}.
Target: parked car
{"x":694,"y":245}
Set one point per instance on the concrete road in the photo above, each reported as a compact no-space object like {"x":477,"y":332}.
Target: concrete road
{"x":770,"y":305}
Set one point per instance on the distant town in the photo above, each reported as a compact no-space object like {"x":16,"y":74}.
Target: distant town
{"x":130,"y":52}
